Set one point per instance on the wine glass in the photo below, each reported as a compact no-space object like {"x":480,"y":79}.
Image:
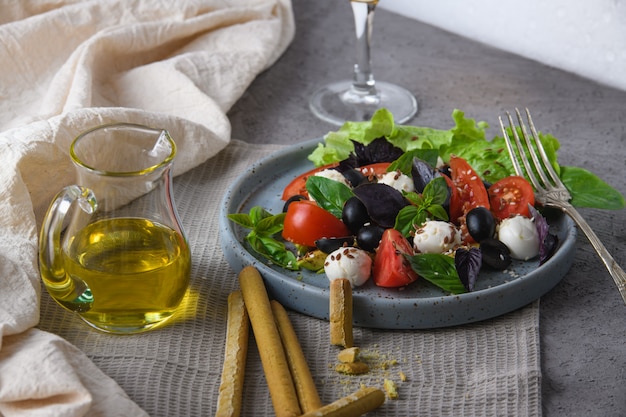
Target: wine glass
{"x":359,"y":98}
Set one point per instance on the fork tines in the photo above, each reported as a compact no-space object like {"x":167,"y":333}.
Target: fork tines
{"x":542,"y":174}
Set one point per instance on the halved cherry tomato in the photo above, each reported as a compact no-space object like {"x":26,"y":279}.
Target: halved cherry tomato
{"x":297,"y":186}
{"x":375,"y":169}
{"x":511,"y":196}
{"x":456,"y":209}
{"x":306,"y":222}
{"x":468,"y":190}
{"x":391,"y":268}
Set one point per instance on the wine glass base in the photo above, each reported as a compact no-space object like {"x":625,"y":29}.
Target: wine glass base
{"x":340,"y":102}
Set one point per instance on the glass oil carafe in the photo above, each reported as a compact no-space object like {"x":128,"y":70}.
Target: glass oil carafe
{"x":112,"y":248}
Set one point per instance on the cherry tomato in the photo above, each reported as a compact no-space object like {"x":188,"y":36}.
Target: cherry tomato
{"x":374,"y":170}
{"x":305,"y":222}
{"x":468,"y":190}
{"x":297,"y":186}
{"x":456,"y":209}
{"x":511,"y":196}
{"x":391,"y":268}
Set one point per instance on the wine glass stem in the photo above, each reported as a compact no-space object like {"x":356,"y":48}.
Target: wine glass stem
{"x":363,"y":18}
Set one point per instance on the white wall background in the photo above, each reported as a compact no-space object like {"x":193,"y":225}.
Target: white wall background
{"x":586,"y":37}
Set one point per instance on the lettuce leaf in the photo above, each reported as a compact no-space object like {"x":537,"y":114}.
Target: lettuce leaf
{"x":467,"y":139}
{"x":338,"y":144}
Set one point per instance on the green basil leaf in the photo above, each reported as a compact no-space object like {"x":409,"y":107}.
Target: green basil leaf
{"x":270,"y":225}
{"x":414,"y":198}
{"x":405,"y":219}
{"x":428,"y":203}
{"x":263,"y":225}
{"x":588,"y":190}
{"x":436,"y":190}
{"x":439,"y":270}
{"x":258,"y":213}
{"x":274,"y":250}
{"x":242,"y":219}
{"x":438,"y":212}
{"x":420,"y":218}
{"x":404,"y":164}
{"x":329,"y":194}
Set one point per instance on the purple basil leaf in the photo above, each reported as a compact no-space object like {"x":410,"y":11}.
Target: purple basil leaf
{"x":382,"y":202}
{"x":548,"y":247}
{"x":540,"y":223}
{"x":548,"y":242}
{"x":379,"y":150}
{"x":468,"y":263}
{"x":422,"y":173}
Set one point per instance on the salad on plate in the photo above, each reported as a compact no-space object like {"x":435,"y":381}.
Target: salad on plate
{"x":396,"y":204}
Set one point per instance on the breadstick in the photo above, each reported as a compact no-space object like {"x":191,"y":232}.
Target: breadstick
{"x":305,"y":386}
{"x":340,"y":313}
{"x":237,"y":334}
{"x":358,"y":403}
{"x":273,"y":358}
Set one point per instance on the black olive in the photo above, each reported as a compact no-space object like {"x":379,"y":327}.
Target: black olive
{"x":495,"y":254}
{"x":354,"y":214}
{"x":291,"y":199}
{"x":331,"y":244}
{"x":354,"y":176}
{"x":369,"y":236}
{"x":480,"y":223}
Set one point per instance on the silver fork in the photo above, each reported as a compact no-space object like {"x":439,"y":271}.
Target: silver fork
{"x":550,"y":191}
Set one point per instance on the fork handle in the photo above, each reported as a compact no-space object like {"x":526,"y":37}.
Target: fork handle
{"x":618,"y":274}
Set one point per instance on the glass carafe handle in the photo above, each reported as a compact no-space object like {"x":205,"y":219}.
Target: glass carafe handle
{"x":69,"y":292}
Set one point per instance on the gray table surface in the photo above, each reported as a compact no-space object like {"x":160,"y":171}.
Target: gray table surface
{"x":583,"y":319}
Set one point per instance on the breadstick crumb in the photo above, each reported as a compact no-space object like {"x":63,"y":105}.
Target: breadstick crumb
{"x":390,"y":388}
{"x":352,"y":368}
{"x":348,"y":355}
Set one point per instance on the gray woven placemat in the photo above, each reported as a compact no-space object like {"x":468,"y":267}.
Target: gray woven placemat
{"x":484,"y":369}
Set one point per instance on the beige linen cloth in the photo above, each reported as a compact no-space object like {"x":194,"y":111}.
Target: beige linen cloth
{"x":70,"y":65}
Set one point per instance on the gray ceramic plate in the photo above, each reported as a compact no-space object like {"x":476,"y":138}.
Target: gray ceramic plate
{"x":418,"y":306}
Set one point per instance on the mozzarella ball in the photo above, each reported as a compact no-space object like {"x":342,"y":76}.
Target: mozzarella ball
{"x":351,"y":263}
{"x":520,"y":235}
{"x":334,"y":175}
{"x":436,"y":236}
{"x":331,"y":174}
{"x":398,"y":180}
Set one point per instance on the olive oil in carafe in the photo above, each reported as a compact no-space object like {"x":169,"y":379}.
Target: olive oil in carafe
{"x":136,"y":270}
